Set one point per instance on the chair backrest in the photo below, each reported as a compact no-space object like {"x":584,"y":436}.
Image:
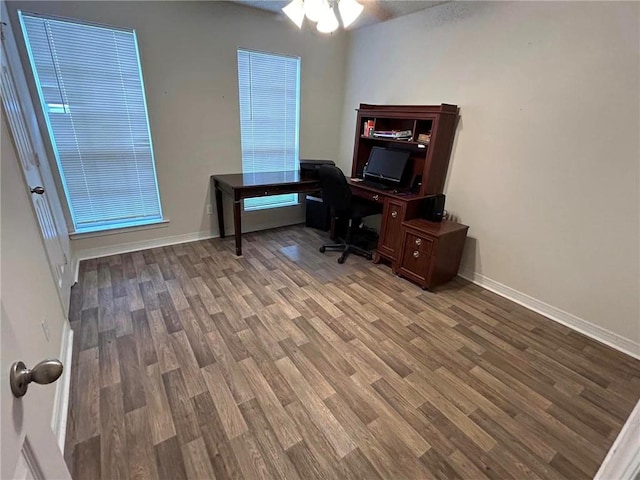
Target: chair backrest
{"x":335,"y":189}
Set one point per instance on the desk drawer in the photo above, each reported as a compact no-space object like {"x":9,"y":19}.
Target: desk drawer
{"x":266,"y":190}
{"x":368,"y":195}
{"x":250,"y":192}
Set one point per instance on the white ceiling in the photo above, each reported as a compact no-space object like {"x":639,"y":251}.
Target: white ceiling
{"x":375,"y":11}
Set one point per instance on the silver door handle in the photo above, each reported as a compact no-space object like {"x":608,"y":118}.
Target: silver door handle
{"x":37,"y":190}
{"x":47,"y":371}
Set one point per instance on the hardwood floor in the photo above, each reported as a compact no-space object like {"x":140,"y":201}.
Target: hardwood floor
{"x":192,"y":363}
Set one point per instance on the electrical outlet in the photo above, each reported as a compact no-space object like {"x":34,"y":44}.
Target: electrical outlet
{"x":45,"y":329}
{"x":209,"y":210}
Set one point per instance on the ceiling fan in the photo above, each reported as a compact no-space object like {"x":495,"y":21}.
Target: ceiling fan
{"x":373,"y":11}
{"x":323,"y":13}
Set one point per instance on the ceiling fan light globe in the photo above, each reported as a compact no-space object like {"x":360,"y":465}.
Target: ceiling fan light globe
{"x":328,"y":23}
{"x":349,"y":11}
{"x":314,"y":9}
{"x":295,"y":11}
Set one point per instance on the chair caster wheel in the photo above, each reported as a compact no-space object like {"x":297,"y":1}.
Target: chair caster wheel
{"x":369,"y":257}
{"x":341,"y":260}
{"x":322,"y":249}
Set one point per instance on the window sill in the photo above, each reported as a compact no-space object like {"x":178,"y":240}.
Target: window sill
{"x":134,"y":228}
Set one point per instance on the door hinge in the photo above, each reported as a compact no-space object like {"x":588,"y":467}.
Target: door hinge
{"x":66,"y":260}
{"x":35,"y":154}
{"x":2,"y":25}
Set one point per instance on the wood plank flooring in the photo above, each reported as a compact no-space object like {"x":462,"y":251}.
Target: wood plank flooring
{"x":189,"y":362}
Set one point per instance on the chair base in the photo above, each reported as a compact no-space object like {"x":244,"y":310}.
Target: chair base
{"x":346,"y":248}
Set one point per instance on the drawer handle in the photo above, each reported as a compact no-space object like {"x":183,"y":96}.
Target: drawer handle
{"x":375,"y":197}
{"x":394,"y":214}
{"x":416,"y":254}
{"x":418,"y":241}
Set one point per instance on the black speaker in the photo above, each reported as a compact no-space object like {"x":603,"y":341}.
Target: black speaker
{"x":416,"y":183}
{"x":433,"y":207}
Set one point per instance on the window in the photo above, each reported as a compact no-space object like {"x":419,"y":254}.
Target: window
{"x":90,"y":86}
{"x":269,"y":86}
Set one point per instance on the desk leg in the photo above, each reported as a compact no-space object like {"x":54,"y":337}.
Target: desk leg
{"x":237,"y":225}
{"x":220,"y":212}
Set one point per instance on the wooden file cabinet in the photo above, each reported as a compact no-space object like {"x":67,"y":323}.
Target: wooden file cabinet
{"x":430,"y":252}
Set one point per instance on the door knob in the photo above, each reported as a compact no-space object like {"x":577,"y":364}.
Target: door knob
{"x":37,"y":190}
{"x":47,"y":371}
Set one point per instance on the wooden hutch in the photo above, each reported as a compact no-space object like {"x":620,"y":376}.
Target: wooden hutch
{"x":432,"y":130}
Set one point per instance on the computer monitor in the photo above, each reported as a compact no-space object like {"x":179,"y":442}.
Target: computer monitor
{"x":385,"y":164}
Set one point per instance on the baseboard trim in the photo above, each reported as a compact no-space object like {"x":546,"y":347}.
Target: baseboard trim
{"x":63,"y":388}
{"x":565,"y":318}
{"x":166,"y":241}
{"x":623,"y":460}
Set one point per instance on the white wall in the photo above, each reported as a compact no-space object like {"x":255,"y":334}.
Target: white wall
{"x":188,"y":55}
{"x":545,"y":168}
{"x":29,"y":294}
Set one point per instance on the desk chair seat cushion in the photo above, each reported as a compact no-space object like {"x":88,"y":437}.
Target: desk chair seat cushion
{"x":361,"y":208}
{"x":337,"y":195}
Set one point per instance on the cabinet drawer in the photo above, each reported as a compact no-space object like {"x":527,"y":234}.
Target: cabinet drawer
{"x":416,"y":255}
{"x":418,"y":242}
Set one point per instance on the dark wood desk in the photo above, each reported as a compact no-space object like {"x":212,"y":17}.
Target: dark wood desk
{"x":427,"y":253}
{"x":396,"y":208}
{"x":248,"y":185}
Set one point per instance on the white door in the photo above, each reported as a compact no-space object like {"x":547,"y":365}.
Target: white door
{"x":26,"y":134}
{"x":27,"y":438}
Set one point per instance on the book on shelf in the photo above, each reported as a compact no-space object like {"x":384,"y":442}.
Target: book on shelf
{"x":394,"y":134}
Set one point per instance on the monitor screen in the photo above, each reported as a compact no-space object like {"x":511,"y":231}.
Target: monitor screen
{"x":386,"y":164}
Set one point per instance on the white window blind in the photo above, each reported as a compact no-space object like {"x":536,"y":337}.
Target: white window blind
{"x":269,"y":86}
{"x":90,"y":85}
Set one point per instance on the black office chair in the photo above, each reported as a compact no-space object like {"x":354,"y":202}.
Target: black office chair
{"x":336,"y":194}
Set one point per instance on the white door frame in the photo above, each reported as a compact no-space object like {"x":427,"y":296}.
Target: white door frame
{"x":623,"y":460}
